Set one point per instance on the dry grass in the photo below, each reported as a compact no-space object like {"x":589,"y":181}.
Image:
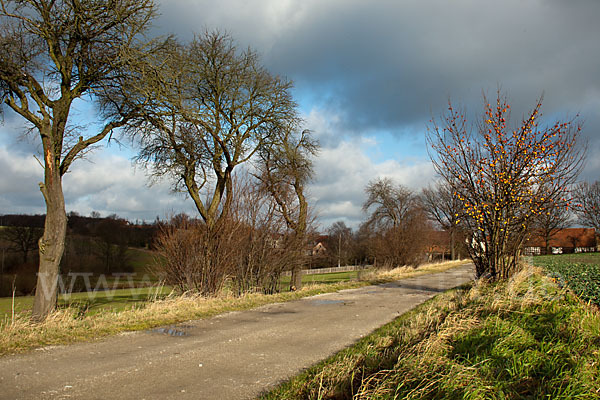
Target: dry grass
{"x":75,"y":325}
{"x":409,"y":272}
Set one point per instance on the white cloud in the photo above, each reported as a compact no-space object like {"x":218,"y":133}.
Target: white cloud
{"x":343,"y":171}
{"x":106,"y":183}
{"x":109,"y":183}
{"x":20,"y":174}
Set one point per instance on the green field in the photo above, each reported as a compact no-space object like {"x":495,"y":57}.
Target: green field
{"x":579,"y":258}
{"x":321,"y":278}
{"x":578,"y":272}
{"x":141,"y":261}
{"x":89,"y":302}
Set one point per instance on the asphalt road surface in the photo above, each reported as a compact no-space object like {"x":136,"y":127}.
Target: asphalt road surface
{"x":232,"y":356}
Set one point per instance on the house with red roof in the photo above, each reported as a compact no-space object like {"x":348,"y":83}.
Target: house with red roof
{"x":568,"y":240}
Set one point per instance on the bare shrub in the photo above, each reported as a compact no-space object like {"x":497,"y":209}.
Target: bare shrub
{"x":505,"y":175}
{"x":266,"y":246}
{"x":195,"y":258}
{"x":247,"y":250}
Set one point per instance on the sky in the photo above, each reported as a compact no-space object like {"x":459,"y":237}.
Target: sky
{"x":369,"y":76}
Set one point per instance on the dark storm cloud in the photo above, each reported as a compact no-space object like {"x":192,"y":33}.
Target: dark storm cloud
{"x":391,"y":64}
{"x":363,"y":67}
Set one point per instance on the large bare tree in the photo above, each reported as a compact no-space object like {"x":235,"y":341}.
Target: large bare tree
{"x":207,"y":108}
{"x":339,"y":243}
{"x":53,"y":52}
{"x":397,"y":223}
{"x":389,"y":203}
{"x":587,"y":204}
{"x":504,"y":177}
{"x":443,"y":207}
{"x":285,"y":168}
{"x":22,"y":239}
{"x":551,"y":220}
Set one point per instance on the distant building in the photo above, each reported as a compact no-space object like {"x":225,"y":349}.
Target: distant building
{"x":438,"y":248}
{"x":568,"y":240}
{"x":318,"y":247}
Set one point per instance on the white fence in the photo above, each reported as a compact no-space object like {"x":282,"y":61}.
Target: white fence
{"x":317,"y":271}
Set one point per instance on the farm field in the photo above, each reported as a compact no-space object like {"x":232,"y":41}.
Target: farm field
{"x":526,"y":338}
{"x":578,"y":272}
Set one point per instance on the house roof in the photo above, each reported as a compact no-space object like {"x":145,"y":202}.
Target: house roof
{"x":568,"y":237}
{"x":439,"y":238}
{"x":438,"y":242}
{"x":321,"y":239}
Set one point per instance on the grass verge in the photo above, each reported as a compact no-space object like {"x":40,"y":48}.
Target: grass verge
{"x":75,"y":324}
{"x":526,"y":338}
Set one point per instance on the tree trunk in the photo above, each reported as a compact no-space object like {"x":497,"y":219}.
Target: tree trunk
{"x":296,"y":281}
{"x":452,"y":245}
{"x":51,"y":245}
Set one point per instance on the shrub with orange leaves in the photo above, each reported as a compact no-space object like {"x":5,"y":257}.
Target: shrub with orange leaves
{"x":504,"y":177}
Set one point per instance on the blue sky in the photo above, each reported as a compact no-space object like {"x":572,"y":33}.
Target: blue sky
{"x":369,"y":75}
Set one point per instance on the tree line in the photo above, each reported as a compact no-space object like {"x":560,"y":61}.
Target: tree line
{"x":92,"y":245}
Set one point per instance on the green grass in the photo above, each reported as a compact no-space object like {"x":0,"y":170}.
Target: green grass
{"x":322,"y":278}
{"x":141,"y":261}
{"x":523,"y":339}
{"x":92,"y":302}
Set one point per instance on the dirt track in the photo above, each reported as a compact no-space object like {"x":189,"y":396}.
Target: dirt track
{"x":232,"y":356}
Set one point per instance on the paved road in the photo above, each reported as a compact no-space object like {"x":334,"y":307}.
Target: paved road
{"x":232,"y":356}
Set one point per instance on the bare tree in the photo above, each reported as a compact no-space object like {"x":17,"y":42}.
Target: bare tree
{"x":52,"y":53}
{"x":111,"y":243}
{"x":550,"y":220}
{"x":391,"y":202}
{"x":443,"y":207}
{"x":397,"y":224}
{"x":587,"y":204}
{"x":206,"y":108}
{"x":340,"y":242}
{"x":22,"y":239}
{"x":504,"y":177}
{"x":285,"y":168}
